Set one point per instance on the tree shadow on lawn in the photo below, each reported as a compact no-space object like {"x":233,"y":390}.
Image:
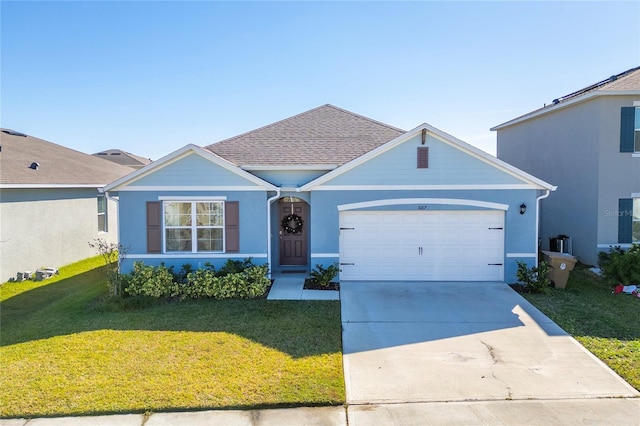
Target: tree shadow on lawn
{"x":78,"y":304}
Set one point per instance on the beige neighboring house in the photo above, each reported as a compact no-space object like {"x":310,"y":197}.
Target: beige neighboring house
{"x":50,"y":206}
{"x":123,"y":158}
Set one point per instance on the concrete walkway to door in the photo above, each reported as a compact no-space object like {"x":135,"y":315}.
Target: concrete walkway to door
{"x":413,"y":349}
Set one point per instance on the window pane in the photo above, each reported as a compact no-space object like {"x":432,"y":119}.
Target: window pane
{"x":177,"y":214}
{"x":102,"y":222}
{"x":102,"y":204}
{"x":637,"y":141}
{"x":210,"y":239}
{"x":209,"y":214}
{"x":178,"y":239}
{"x":636,"y":209}
{"x":635,"y":233}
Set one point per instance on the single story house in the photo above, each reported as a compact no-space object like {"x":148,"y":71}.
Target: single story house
{"x":330,"y":186}
{"x":50,"y":206}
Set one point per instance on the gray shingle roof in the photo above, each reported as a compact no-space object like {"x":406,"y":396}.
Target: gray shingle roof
{"x":123,"y":158}
{"x":57,"y":165}
{"x":323,"y":135}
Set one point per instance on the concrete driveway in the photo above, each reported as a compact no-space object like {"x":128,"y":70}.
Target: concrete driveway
{"x":474,"y":341}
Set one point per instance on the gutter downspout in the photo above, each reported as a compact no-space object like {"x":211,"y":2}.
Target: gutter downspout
{"x":269,"y":202}
{"x":542,"y":197}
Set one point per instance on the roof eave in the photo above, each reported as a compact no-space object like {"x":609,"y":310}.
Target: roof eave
{"x":446,"y":138}
{"x":49,"y":185}
{"x":288,"y":167}
{"x":182,"y":152}
{"x":552,"y":108}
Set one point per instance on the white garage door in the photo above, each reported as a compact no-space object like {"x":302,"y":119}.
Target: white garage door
{"x":422,"y":245}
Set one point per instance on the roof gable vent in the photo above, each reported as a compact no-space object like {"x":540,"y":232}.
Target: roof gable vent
{"x":34,"y":166}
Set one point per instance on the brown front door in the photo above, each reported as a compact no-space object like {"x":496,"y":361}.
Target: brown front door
{"x":293,"y":238}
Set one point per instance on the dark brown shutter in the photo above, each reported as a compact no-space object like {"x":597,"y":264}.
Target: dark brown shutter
{"x":423,"y":157}
{"x":232,"y":225}
{"x":154,"y":228}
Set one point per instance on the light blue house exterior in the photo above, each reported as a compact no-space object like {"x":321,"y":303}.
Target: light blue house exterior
{"x":421,"y":206}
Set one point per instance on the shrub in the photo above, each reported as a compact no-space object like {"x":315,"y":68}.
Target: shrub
{"x":620,"y":266}
{"x":234,"y":266}
{"x":251,"y":283}
{"x":153,"y":281}
{"x":535,"y":279}
{"x":160,"y":282}
{"x":323,"y":276}
{"x":112,"y":253}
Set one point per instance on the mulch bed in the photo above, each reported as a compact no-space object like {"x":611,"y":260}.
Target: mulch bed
{"x":312,"y":285}
{"x":520,"y":288}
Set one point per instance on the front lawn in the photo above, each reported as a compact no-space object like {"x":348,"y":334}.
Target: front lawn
{"x":65,"y":352}
{"x":606,"y":324}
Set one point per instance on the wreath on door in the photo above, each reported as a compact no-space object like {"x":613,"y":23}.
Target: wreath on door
{"x":292,"y":224}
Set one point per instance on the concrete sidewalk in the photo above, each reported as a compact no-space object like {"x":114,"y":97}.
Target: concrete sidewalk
{"x":595,"y":412}
{"x":291,"y":287}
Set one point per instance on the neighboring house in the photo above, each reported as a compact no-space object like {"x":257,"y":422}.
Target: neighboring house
{"x":330,"y":186}
{"x":50,"y":207}
{"x":123,"y":158}
{"x":588,"y":143}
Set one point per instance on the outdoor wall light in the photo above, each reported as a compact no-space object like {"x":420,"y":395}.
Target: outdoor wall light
{"x":523,"y":208}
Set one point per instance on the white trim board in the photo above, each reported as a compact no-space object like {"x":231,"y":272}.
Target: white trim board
{"x":521,"y":255}
{"x":181,"y":153}
{"x":438,"y":201}
{"x":420,"y":187}
{"x":191,"y":188}
{"x":293,"y":167}
{"x":194,"y":255}
{"x":187,"y":198}
{"x":323,"y":255}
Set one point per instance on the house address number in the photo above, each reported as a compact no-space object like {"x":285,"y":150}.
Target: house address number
{"x":423,"y":207}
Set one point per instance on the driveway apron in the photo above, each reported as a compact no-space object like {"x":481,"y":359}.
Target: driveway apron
{"x":451,"y":341}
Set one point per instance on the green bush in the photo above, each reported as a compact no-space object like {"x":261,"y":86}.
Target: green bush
{"x":323,"y":276}
{"x":152,"y":281}
{"x":251,"y":283}
{"x":535,"y":279}
{"x":234,"y":266}
{"x":621,"y":266}
{"x":160,"y":282}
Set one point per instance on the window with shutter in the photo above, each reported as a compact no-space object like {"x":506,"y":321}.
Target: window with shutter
{"x":154,"y":229}
{"x":625,"y":220}
{"x":628,"y":130}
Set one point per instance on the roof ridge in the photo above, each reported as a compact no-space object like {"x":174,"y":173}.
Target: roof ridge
{"x":366,"y":118}
{"x":207,"y":147}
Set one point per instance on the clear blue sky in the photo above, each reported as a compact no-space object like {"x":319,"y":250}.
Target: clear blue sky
{"x":150,"y":77}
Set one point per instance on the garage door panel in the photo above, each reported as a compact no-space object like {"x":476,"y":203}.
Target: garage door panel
{"x":435,"y":245}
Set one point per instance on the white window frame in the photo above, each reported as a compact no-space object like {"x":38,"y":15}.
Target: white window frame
{"x":194,"y":226}
{"x":102,"y":201}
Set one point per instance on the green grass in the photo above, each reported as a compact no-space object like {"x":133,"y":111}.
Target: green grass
{"x":606,"y":324}
{"x":65,"y":351}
